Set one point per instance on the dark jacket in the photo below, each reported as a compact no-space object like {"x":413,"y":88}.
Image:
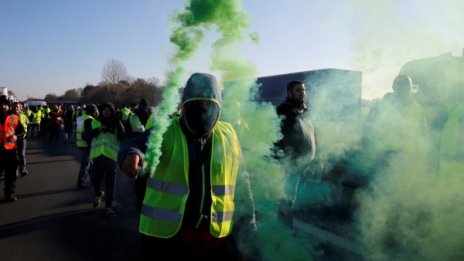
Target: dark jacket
{"x":293,"y":143}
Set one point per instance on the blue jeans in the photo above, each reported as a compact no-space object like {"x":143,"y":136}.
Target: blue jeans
{"x":86,"y":164}
{"x":21,"y":144}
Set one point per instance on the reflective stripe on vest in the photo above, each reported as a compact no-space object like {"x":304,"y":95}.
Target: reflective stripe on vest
{"x":105,"y":144}
{"x":162,"y":214}
{"x":167,"y":190}
{"x":223,"y":190}
{"x":7,"y":130}
{"x":167,"y":187}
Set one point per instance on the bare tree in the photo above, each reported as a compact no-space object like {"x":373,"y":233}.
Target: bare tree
{"x":114,"y":71}
{"x":71,"y":94}
{"x":51,"y":97}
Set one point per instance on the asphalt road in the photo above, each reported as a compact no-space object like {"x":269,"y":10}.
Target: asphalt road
{"x":52,"y":220}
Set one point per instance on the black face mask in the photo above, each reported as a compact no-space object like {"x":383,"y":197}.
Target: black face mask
{"x":200,"y":116}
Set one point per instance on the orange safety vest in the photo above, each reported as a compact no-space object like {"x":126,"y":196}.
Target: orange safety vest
{"x":7,"y":130}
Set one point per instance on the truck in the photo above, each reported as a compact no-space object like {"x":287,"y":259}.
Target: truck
{"x":35,"y":102}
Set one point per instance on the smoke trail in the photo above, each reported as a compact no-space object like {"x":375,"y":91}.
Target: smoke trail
{"x":257,"y":124}
{"x":198,"y":15}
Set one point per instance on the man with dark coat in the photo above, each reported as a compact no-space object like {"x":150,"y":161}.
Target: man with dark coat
{"x":297,"y":148}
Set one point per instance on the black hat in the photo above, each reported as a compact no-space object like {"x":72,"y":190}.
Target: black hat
{"x":4,"y":100}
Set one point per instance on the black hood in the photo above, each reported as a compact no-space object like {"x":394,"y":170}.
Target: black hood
{"x":201,"y":104}
{"x":108,"y":105}
{"x":91,"y":110}
{"x":202,"y":86}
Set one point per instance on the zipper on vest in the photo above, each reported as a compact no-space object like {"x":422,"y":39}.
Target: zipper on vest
{"x":202,"y":196}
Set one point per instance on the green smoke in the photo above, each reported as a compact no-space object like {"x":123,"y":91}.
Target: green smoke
{"x":227,"y":18}
{"x":257,"y":124}
{"x":413,"y":208}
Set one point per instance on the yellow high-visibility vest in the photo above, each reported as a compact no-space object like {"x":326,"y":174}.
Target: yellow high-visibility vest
{"x":137,"y":126}
{"x":105,"y":144}
{"x":167,"y":190}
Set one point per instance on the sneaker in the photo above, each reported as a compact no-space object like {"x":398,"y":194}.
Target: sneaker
{"x":110,"y":212}
{"x":98,"y":200}
{"x":24,"y":173}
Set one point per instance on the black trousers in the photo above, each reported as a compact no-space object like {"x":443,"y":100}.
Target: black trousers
{"x":8,"y":165}
{"x":175,"y":249}
{"x":104,"y":169}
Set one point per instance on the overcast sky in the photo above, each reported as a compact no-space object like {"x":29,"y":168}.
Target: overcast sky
{"x":50,"y":46}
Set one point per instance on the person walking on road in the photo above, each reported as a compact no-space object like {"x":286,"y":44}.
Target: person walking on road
{"x":21,"y":142}
{"x":55,"y":122}
{"x":105,"y":136}
{"x":10,"y":129}
{"x":297,"y":148}
{"x":140,"y":120}
{"x":68,"y":122}
{"x":189,"y":204}
{"x":35,"y":121}
{"x":82,"y":123}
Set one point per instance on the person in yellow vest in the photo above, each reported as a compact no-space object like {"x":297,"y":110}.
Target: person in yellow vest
{"x":35,"y":121}
{"x":84,"y":122}
{"x":189,"y":205}
{"x":21,"y":142}
{"x":28,"y":113}
{"x":395,"y":127}
{"x":105,"y":136}
{"x":45,"y":119}
{"x":10,"y":129}
{"x":140,"y":120}
{"x":124,"y":115}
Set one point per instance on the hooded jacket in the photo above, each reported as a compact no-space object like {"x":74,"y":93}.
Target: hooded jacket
{"x":194,"y":183}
